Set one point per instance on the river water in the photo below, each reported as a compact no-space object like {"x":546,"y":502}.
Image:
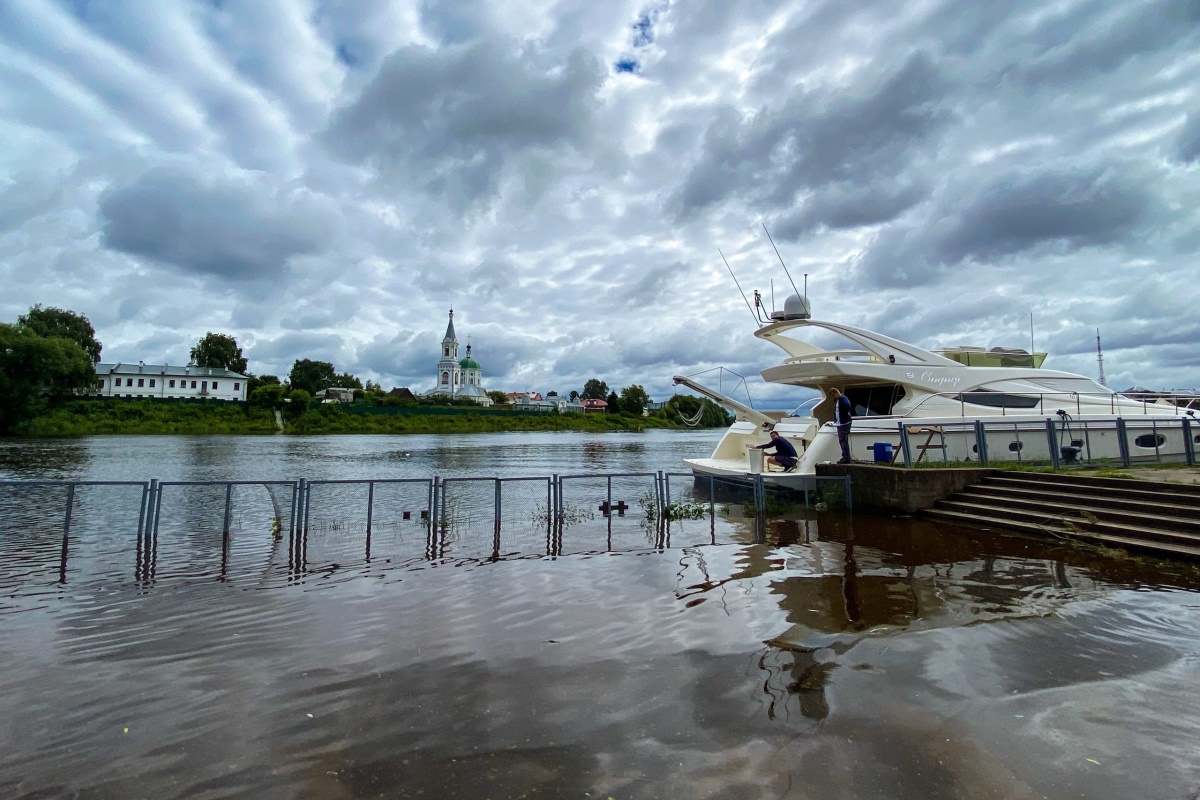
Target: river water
{"x":810,"y":655}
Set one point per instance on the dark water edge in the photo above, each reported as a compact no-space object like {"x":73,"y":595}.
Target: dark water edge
{"x":823,"y":657}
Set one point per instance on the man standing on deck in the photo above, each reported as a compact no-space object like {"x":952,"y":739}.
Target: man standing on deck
{"x":785,"y":454}
{"x":842,"y":417}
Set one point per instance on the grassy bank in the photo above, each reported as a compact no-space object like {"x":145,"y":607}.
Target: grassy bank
{"x":118,"y":415}
{"x":125,"y":416}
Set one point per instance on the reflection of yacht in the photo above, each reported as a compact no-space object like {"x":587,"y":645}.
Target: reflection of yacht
{"x":889,"y":382}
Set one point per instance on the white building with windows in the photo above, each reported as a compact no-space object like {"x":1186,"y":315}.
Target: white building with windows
{"x":162,"y":380}
{"x":457,"y":378}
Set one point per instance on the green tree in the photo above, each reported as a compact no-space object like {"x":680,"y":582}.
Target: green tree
{"x":312,"y":376}
{"x":498,"y":397}
{"x":34,"y":368}
{"x":613,"y":401}
{"x":258,"y":381}
{"x":298,"y":400}
{"x":270,"y":394}
{"x":574,"y":395}
{"x":634,"y":400}
{"x":57,"y":323}
{"x":218,"y":351}
{"x":346,"y":381}
{"x":595,"y":389}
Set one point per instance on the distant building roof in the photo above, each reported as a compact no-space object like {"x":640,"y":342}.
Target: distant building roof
{"x":141,"y":368}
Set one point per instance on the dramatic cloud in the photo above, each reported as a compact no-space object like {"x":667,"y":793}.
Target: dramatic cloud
{"x":229,"y":230}
{"x":326,"y":179}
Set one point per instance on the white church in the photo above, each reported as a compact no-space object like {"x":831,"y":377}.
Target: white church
{"x":457,"y":378}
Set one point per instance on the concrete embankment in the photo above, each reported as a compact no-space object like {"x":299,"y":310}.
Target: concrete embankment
{"x":898,"y":489}
{"x":1156,"y":512}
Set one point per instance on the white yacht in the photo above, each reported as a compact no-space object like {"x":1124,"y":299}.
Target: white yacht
{"x":936,"y":397}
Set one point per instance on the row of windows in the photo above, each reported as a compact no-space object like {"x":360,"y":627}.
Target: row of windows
{"x":170,"y":397}
{"x":170,"y":384}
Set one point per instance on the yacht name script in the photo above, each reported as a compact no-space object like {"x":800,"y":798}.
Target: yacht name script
{"x":929,"y":378}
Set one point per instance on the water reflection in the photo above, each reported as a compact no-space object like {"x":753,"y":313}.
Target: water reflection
{"x":44,"y":459}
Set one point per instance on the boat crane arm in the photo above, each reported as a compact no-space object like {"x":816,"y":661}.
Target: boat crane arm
{"x":740,"y":411}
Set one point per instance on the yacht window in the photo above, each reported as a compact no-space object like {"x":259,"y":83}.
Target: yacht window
{"x":1015,"y":447}
{"x":874,"y":401}
{"x":1150,"y":440}
{"x":1068,"y":385}
{"x":993,"y":399}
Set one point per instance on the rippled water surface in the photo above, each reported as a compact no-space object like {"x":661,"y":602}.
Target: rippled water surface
{"x":808,"y":656}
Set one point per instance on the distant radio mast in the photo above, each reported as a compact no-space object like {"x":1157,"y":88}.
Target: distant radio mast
{"x":1100,"y":358}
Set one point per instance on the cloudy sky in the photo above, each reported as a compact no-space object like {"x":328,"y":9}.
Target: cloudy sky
{"x":325,"y":179}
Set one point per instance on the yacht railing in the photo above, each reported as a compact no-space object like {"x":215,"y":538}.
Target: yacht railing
{"x":1060,"y":441}
{"x":1118,"y":404}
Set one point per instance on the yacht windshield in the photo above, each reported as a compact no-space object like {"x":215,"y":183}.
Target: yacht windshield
{"x":805,"y":409}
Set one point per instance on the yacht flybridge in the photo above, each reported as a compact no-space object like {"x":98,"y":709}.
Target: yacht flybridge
{"x":892,"y":384}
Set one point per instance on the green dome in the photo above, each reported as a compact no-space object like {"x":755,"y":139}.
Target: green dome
{"x":469,"y":363}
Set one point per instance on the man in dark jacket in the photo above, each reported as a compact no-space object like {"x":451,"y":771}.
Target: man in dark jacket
{"x":785,"y":453}
{"x":842,"y":417}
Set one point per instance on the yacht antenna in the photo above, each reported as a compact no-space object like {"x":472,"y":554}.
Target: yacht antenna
{"x":1100,"y":358}
{"x":1032,"y":350}
{"x":739,"y":286}
{"x":772,"y":295}
{"x":785,"y":269}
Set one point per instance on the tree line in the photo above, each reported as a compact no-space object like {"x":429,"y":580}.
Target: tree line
{"x":52,"y":352}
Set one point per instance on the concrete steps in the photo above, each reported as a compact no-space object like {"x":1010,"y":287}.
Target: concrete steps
{"x":1158,"y":518}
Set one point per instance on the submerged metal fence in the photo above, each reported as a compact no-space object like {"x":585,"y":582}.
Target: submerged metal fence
{"x":185,"y":528}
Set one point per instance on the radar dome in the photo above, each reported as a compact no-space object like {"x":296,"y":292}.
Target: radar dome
{"x":795,"y":307}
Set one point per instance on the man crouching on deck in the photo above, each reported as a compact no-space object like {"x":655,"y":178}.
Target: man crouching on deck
{"x":785,"y":454}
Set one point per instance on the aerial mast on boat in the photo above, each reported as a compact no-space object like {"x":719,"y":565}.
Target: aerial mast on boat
{"x":1100,"y":358}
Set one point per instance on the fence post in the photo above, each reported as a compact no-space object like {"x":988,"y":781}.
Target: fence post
{"x":661,"y":491}
{"x":307,"y":505}
{"x":981,"y":443}
{"x":1123,"y":442}
{"x":157,"y":511}
{"x":1189,"y":444}
{"x":499,"y":483}
{"x":905,"y":447}
{"x":295,"y":505}
{"x":62,"y":573}
{"x":228,"y":509}
{"x":370,"y":504}
{"x":1053,"y":442}
{"x":142,"y":513}
{"x":435,"y":502}
{"x":151,"y":506}
{"x":849,"y":495}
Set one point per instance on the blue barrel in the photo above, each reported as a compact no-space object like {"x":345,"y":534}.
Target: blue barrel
{"x":883,"y":452}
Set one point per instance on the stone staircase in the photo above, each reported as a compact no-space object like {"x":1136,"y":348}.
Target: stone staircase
{"x":1158,"y":518}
